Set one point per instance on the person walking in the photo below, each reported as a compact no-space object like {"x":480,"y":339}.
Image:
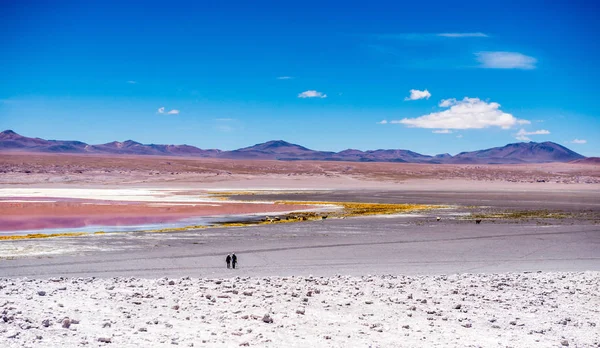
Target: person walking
{"x":228,"y":260}
{"x":233,"y":260}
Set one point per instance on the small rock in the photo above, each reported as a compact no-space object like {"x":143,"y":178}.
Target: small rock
{"x":104,"y":339}
{"x":41,"y":293}
{"x":13,"y":334}
{"x":175,"y":307}
{"x":300,"y":311}
{"x":467,"y":325}
{"x":143,"y":329}
{"x":406,"y":326}
{"x":368,"y":302}
{"x":457,"y":306}
{"x":244,"y":344}
{"x":171,"y":282}
{"x":46,"y":322}
{"x":106,"y":324}
{"x":267,"y":319}
{"x":247,"y":293}
{"x":564,"y":343}
{"x":66,"y":323}
{"x":327,"y":337}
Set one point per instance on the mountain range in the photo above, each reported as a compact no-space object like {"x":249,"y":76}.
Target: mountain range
{"x":531,"y":152}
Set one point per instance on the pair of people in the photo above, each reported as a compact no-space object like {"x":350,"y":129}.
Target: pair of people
{"x":231,"y":260}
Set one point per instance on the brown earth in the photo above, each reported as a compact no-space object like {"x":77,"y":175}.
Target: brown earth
{"x":27,"y":169}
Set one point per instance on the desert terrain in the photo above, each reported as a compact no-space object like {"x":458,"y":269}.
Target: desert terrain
{"x":525,"y":275}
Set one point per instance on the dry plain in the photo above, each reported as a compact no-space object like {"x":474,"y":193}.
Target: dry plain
{"x":527,"y":275}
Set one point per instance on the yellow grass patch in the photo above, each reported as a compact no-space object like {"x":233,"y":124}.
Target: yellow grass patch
{"x":351,"y":209}
{"x":42,"y":235}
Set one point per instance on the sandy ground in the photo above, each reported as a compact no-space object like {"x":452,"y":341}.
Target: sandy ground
{"x":55,"y":170}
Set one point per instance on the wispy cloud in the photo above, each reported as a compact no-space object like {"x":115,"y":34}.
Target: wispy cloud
{"x":383,"y":122}
{"x":469,"y":113}
{"x":505,"y":60}
{"x":226,"y":124}
{"x":461,"y":35}
{"x":431,"y":36}
{"x":131,"y":82}
{"x":285,"y":77}
{"x":459,"y":136}
{"x":161,"y":110}
{"x":523,"y":134}
{"x":578,"y":141}
{"x":415,"y":94}
{"x":442,"y":131}
{"x":312,"y":94}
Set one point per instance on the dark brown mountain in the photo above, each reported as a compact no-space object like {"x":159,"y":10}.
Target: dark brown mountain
{"x":282,"y":150}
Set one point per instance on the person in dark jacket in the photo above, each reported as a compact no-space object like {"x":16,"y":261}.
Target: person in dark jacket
{"x":228,"y":260}
{"x":233,"y":260}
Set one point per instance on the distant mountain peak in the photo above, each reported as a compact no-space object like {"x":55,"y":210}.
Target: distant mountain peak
{"x":9,"y":134}
{"x":275,"y":146}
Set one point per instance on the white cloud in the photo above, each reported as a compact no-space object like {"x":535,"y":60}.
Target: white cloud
{"x":579,"y":141}
{"x":442,"y":131}
{"x":415,"y":94}
{"x":312,"y":94}
{"x":285,"y":77}
{"x":224,"y":119}
{"x":161,"y":110}
{"x":469,"y":113}
{"x":132,"y":82}
{"x":505,"y":60}
{"x":459,"y":136}
{"x":445,"y":103}
{"x":523,"y":134}
{"x":459,"y":35}
{"x":382,"y":122}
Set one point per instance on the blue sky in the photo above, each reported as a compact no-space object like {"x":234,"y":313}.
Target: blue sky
{"x":328,"y":75}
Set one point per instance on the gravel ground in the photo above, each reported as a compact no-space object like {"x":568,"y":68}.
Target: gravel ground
{"x":467,"y":310}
